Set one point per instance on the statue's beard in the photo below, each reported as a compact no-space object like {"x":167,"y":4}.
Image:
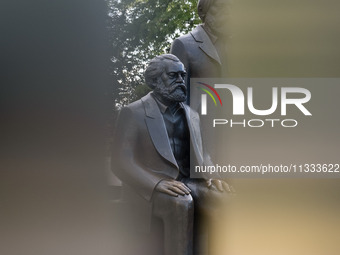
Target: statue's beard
{"x":175,"y":93}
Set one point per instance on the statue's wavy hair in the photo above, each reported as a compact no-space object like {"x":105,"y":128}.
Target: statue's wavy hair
{"x":156,"y":67}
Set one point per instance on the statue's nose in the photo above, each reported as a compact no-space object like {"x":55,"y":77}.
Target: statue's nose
{"x":179,"y":78}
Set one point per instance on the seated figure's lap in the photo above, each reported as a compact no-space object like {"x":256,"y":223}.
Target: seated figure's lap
{"x":202,"y":199}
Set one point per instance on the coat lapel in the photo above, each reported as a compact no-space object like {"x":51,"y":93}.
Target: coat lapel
{"x":157,"y":130}
{"x":195,"y":133}
{"x":205,"y":43}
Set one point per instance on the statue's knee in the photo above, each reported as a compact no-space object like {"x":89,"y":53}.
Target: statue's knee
{"x":182,"y":203}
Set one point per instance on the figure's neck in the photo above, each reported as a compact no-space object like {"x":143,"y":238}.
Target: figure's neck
{"x":212,"y":35}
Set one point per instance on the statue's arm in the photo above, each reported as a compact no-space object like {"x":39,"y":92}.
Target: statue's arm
{"x":213,"y":180}
{"x":125,"y":164}
{"x":178,"y":49}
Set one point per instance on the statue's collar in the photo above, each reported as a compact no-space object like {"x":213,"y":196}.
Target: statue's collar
{"x":163,"y":107}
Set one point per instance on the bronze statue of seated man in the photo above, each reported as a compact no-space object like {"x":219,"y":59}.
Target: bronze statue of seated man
{"x":155,"y":138}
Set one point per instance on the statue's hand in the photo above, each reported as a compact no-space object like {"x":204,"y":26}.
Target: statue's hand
{"x":173,"y":188}
{"x":220,"y":185}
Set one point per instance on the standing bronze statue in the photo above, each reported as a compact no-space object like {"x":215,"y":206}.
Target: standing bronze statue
{"x":203,"y":51}
{"x":154,"y":138}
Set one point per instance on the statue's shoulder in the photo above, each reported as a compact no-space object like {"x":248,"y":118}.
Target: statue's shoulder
{"x":184,"y":38}
{"x":190,"y":37}
{"x":138,"y":107}
{"x":134,"y":105}
{"x":191,"y":40}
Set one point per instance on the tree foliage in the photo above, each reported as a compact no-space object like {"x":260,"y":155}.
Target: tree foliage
{"x":140,"y":30}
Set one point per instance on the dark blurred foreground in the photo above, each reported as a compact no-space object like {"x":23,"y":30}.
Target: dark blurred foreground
{"x":54,"y":68}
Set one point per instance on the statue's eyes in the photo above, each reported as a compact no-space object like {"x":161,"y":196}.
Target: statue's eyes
{"x":175,"y":75}
{"x":172,"y":75}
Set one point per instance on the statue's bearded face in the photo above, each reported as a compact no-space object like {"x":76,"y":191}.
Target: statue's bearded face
{"x":171,"y":86}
